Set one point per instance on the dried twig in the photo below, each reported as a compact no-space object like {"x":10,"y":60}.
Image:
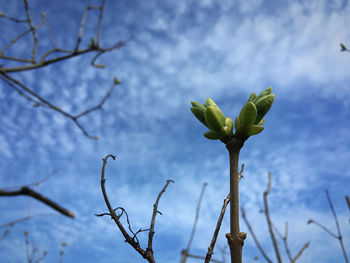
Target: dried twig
{"x":25,"y":190}
{"x":267,"y":215}
{"x":133,"y":241}
{"x":339,"y":234}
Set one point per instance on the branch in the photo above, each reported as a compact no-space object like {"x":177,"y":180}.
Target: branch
{"x":187,"y":250}
{"x":30,"y":192}
{"x":339,"y":236}
{"x":218,"y":224}
{"x":40,"y":101}
{"x":267,"y":215}
{"x":285,"y":242}
{"x":12,"y":223}
{"x":253,"y":235}
{"x":200,"y":257}
{"x":155,"y":211}
{"x":217,"y":229}
{"x":133,"y":241}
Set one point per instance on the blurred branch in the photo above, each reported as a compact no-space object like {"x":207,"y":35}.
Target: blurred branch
{"x":272,"y":228}
{"x":267,"y":215}
{"x":285,"y":242}
{"x":254,"y":236}
{"x":337,"y":236}
{"x":186,"y":251}
{"x":26,"y":64}
{"x":32,"y":193}
{"x":13,"y":222}
{"x":133,"y":241}
{"x":32,"y":254}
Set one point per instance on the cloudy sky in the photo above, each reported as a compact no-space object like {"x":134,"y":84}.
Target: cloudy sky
{"x":180,"y":51}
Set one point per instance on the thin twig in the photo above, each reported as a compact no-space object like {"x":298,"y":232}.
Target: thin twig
{"x":251,"y":231}
{"x":14,"y":40}
{"x":148,"y":253}
{"x":12,"y":223}
{"x":196,"y":218}
{"x":48,"y":104}
{"x":13,"y":19}
{"x":267,"y":215}
{"x":155,"y":211}
{"x":217,"y":229}
{"x":30,"y":192}
{"x":32,"y":29}
{"x":98,"y":38}
{"x":201,"y":257}
{"x":340,"y":236}
{"x":285,"y":242}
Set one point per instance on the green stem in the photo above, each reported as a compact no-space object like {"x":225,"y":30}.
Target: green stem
{"x":235,"y":238}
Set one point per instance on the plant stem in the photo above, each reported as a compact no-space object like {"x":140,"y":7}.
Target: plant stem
{"x":235,"y":238}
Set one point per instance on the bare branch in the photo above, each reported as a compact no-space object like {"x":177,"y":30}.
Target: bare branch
{"x":14,"y":40}
{"x":254,"y":236}
{"x":267,"y":215}
{"x":32,"y":29}
{"x":133,"y":241}
{"x":339,"y":236}
{"x":155,"y":211}
{"x":30,"y":192}
{"x":200,"y":257}
{"x":40,"y":101}
{"x":12,"y":223}
{"x":306,"y":245}
{"x":285,"y":242}
{"x":187,"y":250}
{"x":217,"y":229}
{"x":98,"y":37}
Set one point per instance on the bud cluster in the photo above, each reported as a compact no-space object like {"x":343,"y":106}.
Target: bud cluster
{"x":249,"y":121}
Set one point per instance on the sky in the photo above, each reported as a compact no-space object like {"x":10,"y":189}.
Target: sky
{"x":180,"y":51}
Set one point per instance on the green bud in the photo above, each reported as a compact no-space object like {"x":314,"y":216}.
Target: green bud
{"x":212,"y":135}
{"x":261,"y":122}
{"x":252,"y":97}
{"x":263,"y":94}
{"x":229,"y":123}
{"x":1,"y":13}
{"x":254,"y":129}
{"x":225,"y":131}
{"x":214,"y":118}
{"x":198,"y":112}
{"x":248,"y":113}
{"x":197,"y":104}
{"x":237,"y":124}
{"x":263,"y":105}
{"x":210,"y":102}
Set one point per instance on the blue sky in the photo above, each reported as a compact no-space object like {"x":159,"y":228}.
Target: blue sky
{"x":180,"y":51}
